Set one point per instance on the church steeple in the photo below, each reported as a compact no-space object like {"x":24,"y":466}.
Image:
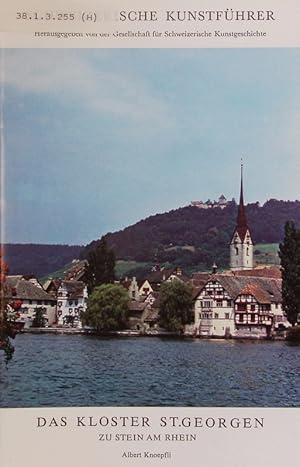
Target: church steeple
{"x":241,"y":246}
{"x":241,"y":224}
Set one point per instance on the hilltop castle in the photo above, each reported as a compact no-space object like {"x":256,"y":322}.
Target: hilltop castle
{"x":221,"y":203}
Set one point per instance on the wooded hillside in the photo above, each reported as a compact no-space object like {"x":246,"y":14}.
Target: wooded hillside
{"x":193,"y":237}
{"x":189,"y":237}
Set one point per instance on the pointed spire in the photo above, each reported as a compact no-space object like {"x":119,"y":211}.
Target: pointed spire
{"x":242,"y":225}
{"x":242,"y":189}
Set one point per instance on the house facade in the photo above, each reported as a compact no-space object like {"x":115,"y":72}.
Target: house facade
{"x":131,"y":285}
{"x":71,"y":303}
{"x":145,"y":289}
{"x":30,"y":297}
{"x":239,"y":306}
{"x":214,"y":312}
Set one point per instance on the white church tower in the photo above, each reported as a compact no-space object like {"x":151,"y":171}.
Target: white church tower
{"x":241,"y":245}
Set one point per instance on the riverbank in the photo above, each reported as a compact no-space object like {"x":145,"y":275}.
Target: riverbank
{"x":83,"y":331}
{"x":134,"y":333}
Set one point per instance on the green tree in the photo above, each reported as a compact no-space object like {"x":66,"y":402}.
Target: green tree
{"x":289,"y":253}
{"x":101,"y":266}
{"x":39,"y":319}
{"x":8,"y":330}
{"x":175,"y":305}
{"x":107,"y":308}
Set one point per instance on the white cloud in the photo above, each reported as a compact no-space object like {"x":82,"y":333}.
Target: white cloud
{"x":66,"y":75}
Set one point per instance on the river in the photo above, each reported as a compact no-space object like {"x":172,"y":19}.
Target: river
{"x":79,"y":370}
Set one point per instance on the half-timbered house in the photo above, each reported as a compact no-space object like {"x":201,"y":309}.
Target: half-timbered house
{"x":239,"y":306}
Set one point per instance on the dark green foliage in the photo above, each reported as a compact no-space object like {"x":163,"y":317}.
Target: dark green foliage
{"x":39,"y":318}
{"x":163,"y":237}
{"x":107,"y":308}
{"x":289,"y":253}
{"x":101,"y":266}
{"x":175,"y":305}
{"x":293,"y":334}
{"x":207,"y":230}
{"x":39,"y":260}
{"x":6,"y":345}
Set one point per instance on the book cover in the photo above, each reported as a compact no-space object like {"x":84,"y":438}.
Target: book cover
{"x":168,"y":135}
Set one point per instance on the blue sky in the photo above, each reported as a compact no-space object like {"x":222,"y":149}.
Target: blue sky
{"x":96,"y":140}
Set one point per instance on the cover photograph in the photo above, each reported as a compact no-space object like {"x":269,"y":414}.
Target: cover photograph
{"x":150,"y":235}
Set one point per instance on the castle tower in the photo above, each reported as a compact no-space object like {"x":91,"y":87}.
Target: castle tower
{"x":241,"y":246}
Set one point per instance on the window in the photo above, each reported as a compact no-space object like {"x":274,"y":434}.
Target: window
{"x":206,"y":315}
{"x":252,"y":308}
{"x":226,"y":315}
{"x":216,"y":315}
{"x":252,"y":318}
{"x":241,"y":318}
{"x":229,"y":302}
{"x":219,"y":303}
{"x":241,"y":306}
{"x":236,"y":250}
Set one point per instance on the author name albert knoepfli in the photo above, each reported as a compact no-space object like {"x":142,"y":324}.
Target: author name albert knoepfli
{"x":146,"y":422}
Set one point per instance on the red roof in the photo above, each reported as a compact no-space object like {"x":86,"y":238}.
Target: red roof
{"x":272,"y":272}
{"x":241,"y":224}
{"x":257,"y":292}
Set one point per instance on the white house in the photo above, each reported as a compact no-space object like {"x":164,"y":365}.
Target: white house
{"x":145,"y":289}
{"x":214,"y":311}
{"x":71,"y":302}
{"x":30,"y":297}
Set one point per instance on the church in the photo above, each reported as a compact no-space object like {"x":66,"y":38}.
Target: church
{"x":241,"y":246}
{"x":244,"y":302}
